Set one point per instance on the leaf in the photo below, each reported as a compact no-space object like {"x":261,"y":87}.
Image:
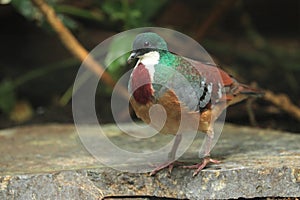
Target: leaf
{"x":29,"y":11}
{"x":7,"y":96}
{"x":68,"y":22}
{"x":5,"y":2}
{"x":26,"y":8}
{"x":132,"y":13}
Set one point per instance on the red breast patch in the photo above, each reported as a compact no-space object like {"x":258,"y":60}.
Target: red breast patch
{"x":141,"y":84}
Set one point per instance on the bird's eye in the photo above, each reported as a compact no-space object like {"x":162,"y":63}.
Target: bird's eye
{"x":146,"y":44}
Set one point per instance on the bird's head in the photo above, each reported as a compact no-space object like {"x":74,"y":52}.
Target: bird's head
{"x":146,"y":53}
{"x":146,"y":42}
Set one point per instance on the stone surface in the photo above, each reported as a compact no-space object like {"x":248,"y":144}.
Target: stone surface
{"x":49,"y":162}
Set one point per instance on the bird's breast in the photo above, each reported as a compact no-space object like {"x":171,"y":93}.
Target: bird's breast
{"x":178,"y":116}
{"x":140,"y":84}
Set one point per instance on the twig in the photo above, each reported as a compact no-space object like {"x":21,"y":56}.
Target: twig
{"x":249,"y":108}
{"x":213,"y":17}
{"x":283,"y":102}
{"x":72,"y":44}
{"x":250,"y":112}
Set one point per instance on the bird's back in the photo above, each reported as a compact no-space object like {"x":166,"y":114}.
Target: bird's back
{"x":209,"y":85}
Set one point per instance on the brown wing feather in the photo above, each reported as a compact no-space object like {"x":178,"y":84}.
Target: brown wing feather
{"x":232,"y":91}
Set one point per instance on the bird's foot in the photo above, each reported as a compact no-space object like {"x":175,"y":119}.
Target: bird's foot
{"x":201,"y":165}
{"x":169,"y":164}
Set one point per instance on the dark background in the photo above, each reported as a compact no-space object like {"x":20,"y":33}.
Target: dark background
{"x":256,"y":41}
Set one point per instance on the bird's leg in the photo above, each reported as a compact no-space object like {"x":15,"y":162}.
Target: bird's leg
{"x":208,"y":141}
{"x":172,"y":153}
{"x":171,"y":157}
{"x":206,"y":159}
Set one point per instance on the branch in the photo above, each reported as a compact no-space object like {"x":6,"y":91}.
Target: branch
{"x":283,"y":102}
{"x":72,"y":44}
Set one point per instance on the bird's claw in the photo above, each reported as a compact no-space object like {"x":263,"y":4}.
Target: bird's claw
{"x":201,"y":165}
{"x":169,"y":164}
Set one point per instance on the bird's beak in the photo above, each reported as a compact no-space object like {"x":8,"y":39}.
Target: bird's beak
{"x":132,"y":56}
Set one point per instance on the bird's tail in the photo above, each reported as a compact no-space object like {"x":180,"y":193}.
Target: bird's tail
{"x":247,"y":90}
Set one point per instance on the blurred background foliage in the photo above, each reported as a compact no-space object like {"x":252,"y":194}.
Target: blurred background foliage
{"x":256,"y":41}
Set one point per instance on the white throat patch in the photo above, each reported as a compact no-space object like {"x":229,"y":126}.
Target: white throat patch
{"x":149,"y":60}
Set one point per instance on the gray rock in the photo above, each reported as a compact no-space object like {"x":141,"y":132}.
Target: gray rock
{"x":49,"y":162}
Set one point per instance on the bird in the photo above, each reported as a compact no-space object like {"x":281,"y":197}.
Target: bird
{"x":199,"y":90}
